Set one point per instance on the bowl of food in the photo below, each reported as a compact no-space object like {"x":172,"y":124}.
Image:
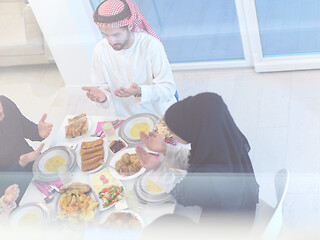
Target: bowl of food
{"x":162,"y":129}
{"x":117,"y":145}
{"x":77,"y":205}
{"x":123,"y":220}
{"x":125,"y":165}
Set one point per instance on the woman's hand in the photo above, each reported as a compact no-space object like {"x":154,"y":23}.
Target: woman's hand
{"x":147,"y":161}
{"x":154,"y":142}
{"x":11,"y":194}
{"x":44,"y":128}
{"x":30,"y":157}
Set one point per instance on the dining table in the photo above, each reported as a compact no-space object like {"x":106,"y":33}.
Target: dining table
{"x":148,"y":212}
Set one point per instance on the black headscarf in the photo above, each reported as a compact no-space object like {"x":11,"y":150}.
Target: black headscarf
{"x":217,"y":144}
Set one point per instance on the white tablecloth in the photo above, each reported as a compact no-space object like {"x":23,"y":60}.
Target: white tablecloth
{"x":147,"y":212}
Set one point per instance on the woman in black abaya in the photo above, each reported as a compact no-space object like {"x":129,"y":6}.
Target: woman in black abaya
{"x":219,"y":175}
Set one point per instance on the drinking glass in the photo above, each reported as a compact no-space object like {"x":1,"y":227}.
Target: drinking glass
{"x":64,"y":174}
{"x":132,"y":201}
{"x":109,"y":131}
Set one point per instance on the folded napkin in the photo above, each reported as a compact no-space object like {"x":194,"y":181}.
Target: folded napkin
{"x":116,"y":124}
{"x":44,"y":190}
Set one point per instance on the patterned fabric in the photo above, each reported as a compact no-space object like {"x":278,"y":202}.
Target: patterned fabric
{"x":171,"y":140}
{"x":124,"y":13}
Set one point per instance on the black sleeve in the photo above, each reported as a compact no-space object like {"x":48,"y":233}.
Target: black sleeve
{"x":29,"y":128}
{"x":214,"y":191}
{"x":195,"y":189}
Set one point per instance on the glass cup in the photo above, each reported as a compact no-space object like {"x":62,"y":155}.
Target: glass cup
{"x":109,"y":131}
{"x":132,"y":201}
{"x":64,"y":174}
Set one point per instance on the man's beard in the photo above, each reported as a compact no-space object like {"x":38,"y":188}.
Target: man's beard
{"x":120,"y":46}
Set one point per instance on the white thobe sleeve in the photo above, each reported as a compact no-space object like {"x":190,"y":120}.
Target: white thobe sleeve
{"x":98,"y":77}
{"x":173,"y":168}
{"x":6,"y":208}
{"x":163,"y":87}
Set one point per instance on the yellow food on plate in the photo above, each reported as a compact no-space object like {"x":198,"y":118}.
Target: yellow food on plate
{"x":138,"y":127}
{"x":53,"y":163}
{"x":30,"y":219}
{"x":152,"y":187}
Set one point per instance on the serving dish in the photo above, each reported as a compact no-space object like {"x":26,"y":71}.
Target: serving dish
{"x":122,"y":220}
{"x":105,"y":155}
{"x":81,"y":210}
{"x":87,"y":134}
{"x":39,"y":169}
{"x":116,"y":158}
{"x":104,"y":180}
{"x":128,"y":124}
{"x":31,"y":214}
{"x":145,"y":196}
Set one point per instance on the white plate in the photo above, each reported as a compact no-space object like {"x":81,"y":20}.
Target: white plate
{"x":133,"y":122}
{"x":138,"y":217}
{"x":65,"y":220}
{"x":117,"y":183}
{"x":105,"y":154}
{"x":36,"y":209}
{"x":46,"y":157}
{"x":143,"y":182}
{"x":117,"y":157}
{"x":87,"y":134}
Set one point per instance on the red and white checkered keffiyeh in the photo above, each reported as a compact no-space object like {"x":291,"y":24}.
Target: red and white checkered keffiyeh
{"x":111,"y":8}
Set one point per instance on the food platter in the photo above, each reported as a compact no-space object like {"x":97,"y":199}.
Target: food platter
{"x":117,"y":217}
{"x":40,"y":166}
{"x":103,"y":180}
{"x":145,"y":196}
{"x":78,"y":216}
{"x":30,"y":214}
{"x":105,"y":155}
{"x":148,"y":120}
{"x":89,"y":126}
{"x":116,"y":158}
{"x":162,"y":129}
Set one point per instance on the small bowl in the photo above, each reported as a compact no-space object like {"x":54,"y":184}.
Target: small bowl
{"x":114,"y":151}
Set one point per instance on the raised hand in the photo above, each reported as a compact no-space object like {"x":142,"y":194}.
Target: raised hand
{"x":95,"y":94}
{"x":147,"y":161}
{"x":11,"y":194}
{"x":44,"y":128}
{"x":153,"y":142}
{"x":30,"y":157}
{"x":133,"y":90}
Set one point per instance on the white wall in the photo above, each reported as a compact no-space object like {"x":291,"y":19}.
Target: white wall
{"x":71,"y":35}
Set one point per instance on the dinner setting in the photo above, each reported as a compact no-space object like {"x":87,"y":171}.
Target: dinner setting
{"x":110,"y":174}
{"x":115,"y":147}
{"x":91,"y":176}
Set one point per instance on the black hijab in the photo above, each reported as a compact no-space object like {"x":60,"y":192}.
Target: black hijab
{"x":217,"y":144}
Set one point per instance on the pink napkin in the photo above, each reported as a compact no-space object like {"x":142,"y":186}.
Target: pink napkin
{"x":115,"y":124}
{"x":56,"y":183}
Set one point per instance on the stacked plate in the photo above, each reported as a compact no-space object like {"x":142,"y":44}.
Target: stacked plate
{"x":43,"y":167}
{"x":30,"y":214}
{"x":127,"y":128}
{"x":147,"y":195}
